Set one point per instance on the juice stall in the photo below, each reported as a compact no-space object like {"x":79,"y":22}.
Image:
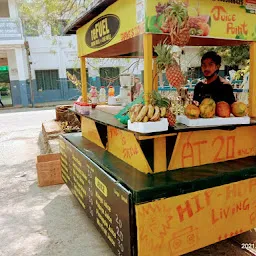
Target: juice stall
{"x":171,"y":192}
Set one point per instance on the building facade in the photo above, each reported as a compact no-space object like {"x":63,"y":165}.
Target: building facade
{"x":49,"y":57}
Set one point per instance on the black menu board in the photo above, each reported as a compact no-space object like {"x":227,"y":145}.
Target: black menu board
{"x":105,"y":201}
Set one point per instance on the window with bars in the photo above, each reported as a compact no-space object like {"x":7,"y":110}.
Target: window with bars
{"x":109,"y":76}
{"x":47,"y":80}
{"x":77,"y":73}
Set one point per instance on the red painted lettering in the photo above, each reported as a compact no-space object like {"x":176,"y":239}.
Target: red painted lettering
{"x":217,"y":157}
{"x":208,"y":194}
{"x":217,"y":11}
{"x":231,"y":191}
{"x":214,"y":217}
{"x":234,"y":30}
{"x":221,"y":214}
{"x":198,"y":206}
{"x":187,"y":153}
{"x":181,"y":211}
{"x":252,"y":184}
{"x":230,"y":147}
{"x":199,"y":143}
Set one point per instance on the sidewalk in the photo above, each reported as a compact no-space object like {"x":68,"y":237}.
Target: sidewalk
{"x":46,"y":221}
{"x":37,"y":106}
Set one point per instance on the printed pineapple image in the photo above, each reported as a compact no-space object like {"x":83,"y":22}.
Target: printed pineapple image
{"x":176,"y":22}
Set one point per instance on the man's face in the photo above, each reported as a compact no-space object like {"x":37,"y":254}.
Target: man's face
{"x":209,"y":67}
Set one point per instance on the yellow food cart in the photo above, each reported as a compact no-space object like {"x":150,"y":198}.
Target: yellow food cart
{"x":172,"y":192}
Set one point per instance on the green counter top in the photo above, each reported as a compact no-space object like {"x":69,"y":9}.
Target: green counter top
{"x":171,"y":183}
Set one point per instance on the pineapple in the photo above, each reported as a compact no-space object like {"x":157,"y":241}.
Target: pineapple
{"x":176,"y":18}
{"x":166,"y":61}
{"x":171,"y":118}
{"x":158,"y":100}
{"x":174,"y":75}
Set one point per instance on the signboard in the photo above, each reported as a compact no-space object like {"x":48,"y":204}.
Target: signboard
{"x":212,"y":146}
{"x":112,"y":26}
{"x":102,"y":31}
{"x":209,"y":18}
{"x":10,"y":29}
{"x":104,"y":200}
{"x":177,"y":225}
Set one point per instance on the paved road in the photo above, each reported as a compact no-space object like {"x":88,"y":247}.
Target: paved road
{"x":37,"y":221}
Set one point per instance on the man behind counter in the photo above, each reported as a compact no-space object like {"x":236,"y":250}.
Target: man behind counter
{"x":214,"y":86}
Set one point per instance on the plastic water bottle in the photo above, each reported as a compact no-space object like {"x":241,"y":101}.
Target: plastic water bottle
{"x":102,"y":95}
{"x":111,"y":91}
{"x":94,"y":96}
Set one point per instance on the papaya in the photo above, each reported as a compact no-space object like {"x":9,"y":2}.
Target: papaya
{"x":207,"y":108}
{"x":192,"y":111}
{"x":223,"y":109}
{"x":239,"y":109}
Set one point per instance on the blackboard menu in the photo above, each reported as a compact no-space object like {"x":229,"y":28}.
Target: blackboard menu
{"x":105,"y":201}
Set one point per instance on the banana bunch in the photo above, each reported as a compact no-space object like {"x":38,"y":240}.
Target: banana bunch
{"x":146,"y":113}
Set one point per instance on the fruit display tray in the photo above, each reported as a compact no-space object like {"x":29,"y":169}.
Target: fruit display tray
{"x":148,"y":127}
{"x":215,"y":121}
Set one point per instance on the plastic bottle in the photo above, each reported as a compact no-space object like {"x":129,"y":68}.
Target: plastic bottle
{"x":102,"y":95}
{"x":94,"y":96}
{"x":111,"y":91}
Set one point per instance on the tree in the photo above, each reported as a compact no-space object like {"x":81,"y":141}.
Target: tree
{"x":231,"y":55}
{"x":39,"y":14}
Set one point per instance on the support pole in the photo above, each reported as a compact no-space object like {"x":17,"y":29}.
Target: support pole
{"x":148,"y":74}
{"x":155,"y":76}
{"x":83,"y":78}
{"x":252,"y":87}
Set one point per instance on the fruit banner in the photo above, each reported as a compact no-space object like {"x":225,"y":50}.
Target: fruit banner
{"x":121,"y":21}
{"x":207,"y":18}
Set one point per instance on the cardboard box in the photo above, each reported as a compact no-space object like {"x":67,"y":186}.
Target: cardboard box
{"x":49,"y":170}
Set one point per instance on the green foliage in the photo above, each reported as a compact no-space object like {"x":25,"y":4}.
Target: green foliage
{"x":239,"y":75}
{"x":231,"y":55}
{"x":164,"y":56}
{"x":36,"y":15}
{"x":4,"y":90}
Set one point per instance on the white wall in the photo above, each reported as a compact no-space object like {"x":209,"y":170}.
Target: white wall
{"x":45,"y":55}
{"x":13,"y":69}
{"x":17,"y":64}
{"x":13,"y":10}
{"x":63,"y":55}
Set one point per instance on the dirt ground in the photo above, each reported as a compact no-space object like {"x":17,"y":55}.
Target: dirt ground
{"x":33,"y":220}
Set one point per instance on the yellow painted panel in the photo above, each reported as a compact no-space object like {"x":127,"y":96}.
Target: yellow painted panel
{"x":90,"y":131}
{"x":219,"y":19}
{"x":252,"y":89}
{"x":177,"y":225}
{"x":160,"y":161}
{"x":125,"y":146}
{"x":129,"y":27}
{"x":212,"y":146}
